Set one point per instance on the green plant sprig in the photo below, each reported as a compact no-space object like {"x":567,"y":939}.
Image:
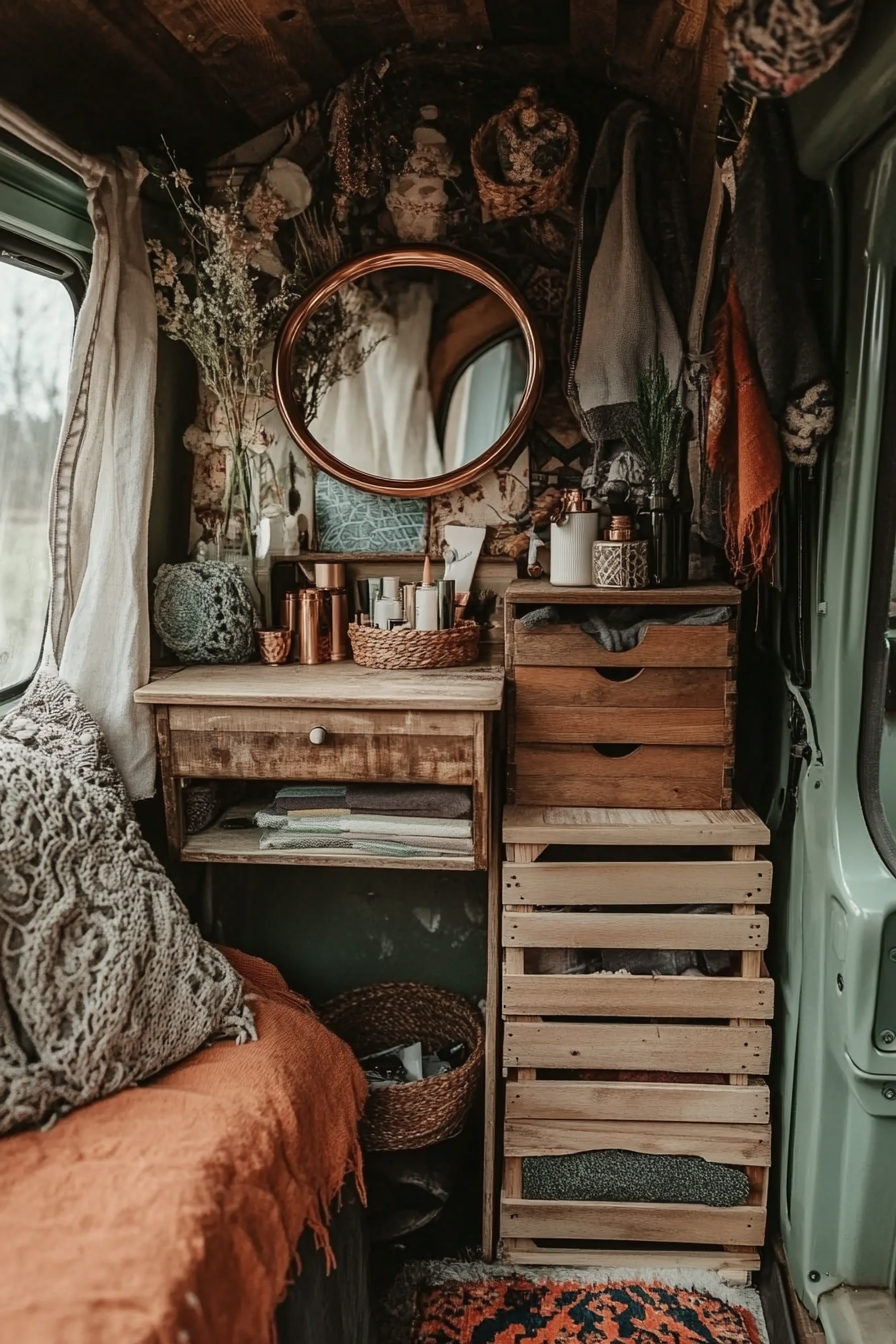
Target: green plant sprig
{"x":657,"y":423}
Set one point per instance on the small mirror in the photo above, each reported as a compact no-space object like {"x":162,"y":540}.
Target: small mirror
{"x":408,"y":372}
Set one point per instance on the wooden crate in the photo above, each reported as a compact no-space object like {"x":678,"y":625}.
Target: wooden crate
{"x":559,"y":1027}
{"x":648,"y":727}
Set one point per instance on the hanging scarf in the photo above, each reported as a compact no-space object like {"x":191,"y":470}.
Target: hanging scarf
{"x":767,"y":256}
{"x":742,"y":445}
{"x":777,"y":47}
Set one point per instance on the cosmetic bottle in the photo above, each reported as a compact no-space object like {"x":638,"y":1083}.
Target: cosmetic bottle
{"x":426,"y":607}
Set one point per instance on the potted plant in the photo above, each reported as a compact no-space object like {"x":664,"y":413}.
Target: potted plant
{"x":655,"y":436}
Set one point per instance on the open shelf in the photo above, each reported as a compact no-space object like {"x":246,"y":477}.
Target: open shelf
{"x":217,"y":846}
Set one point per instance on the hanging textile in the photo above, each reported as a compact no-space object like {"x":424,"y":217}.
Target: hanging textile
{"x":768,"y":256}
{"x":777,"y":47}
{"x":98,"y":627}
{"x":620,"y":315}
{"x":742,"y":445}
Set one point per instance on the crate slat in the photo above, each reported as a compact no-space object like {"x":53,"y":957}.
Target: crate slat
{"x":578,"y":1100}
{"x":547,"y":824}
{"x":664,"y":1047}
{"x":638,"y":996}
{"x":746,"y":1145}
{"x":698,"y":932}
{"x":728,"y":1263}
{"x":575,"y":1220}
{"x":637,"y":883}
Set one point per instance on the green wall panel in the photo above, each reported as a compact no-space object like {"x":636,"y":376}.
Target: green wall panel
{"x":330,"y":929}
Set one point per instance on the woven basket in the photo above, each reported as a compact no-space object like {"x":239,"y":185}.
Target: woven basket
{"x":505,"y":200}
{"x":372,"y":647}
{"x":411,"y":1115}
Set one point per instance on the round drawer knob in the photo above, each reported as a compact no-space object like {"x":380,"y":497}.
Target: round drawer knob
{"x":318,"y":736}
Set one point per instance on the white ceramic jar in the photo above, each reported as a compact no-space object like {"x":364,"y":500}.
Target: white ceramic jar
{"x":573,"y":534}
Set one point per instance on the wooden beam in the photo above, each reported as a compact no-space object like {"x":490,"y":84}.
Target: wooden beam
{"x":446,"y":20}
{"x":269,"y":65}
{"x":592,"y":33}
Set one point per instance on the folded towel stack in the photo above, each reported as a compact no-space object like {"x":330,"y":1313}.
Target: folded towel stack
{"x":399,"y":820}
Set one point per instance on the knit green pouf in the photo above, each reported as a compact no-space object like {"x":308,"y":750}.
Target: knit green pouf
{"x":624,"y":1177}
{"x":203,"y":612}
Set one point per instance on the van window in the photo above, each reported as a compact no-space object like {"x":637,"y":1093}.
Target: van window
{"x":37,"y":319}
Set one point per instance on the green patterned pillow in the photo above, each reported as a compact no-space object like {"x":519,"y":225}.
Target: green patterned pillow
{"x":352,"y":521}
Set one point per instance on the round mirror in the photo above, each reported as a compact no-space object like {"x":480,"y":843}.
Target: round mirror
{"x":408,"y":372}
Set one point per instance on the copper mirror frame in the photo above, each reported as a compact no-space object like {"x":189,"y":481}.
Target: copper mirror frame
{"x":440,"y":259}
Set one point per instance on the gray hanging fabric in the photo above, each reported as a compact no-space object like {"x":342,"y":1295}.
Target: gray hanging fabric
{"x":777,"y":47}
{"x":632,"y":273}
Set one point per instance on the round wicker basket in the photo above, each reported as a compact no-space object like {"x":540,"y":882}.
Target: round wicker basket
{"x":505,"y":200}
{"x":375,"y":1017}
{"x":372,"y":647}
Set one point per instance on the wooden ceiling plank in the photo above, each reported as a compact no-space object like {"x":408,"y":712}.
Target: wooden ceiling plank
{"x":439,"y":20}
{"x":194,"y":111}
{"x":592,"y":33}
{"x":386,"y":21}
{"x":300,"y":41}
{"x":345,"y":31}
{"x":100,"y":83}
{"x":237,"y":47}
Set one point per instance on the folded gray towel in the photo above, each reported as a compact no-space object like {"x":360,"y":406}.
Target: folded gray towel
{"x":447,"y":800}
{"x":650,"y":1178}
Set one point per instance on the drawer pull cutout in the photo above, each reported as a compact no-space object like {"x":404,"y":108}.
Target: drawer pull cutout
{"x":616,"y":749}
{"x":617,"y":673}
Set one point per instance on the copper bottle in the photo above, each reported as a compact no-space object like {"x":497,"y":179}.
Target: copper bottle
{"x":330,"y":578}
{"x":289,"y":620}
{"x":314,"y":636}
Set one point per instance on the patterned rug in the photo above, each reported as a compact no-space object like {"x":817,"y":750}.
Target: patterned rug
{"x":515,"y":1308}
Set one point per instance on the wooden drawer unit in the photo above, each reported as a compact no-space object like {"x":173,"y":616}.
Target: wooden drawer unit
{"x":648,"y":1063}
{"x":334,"y":723}
{"x":651,"y":726}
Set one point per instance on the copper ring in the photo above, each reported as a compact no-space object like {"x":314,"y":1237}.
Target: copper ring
{"x":386,"y":259}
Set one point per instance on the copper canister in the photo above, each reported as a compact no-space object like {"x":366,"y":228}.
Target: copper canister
{"x":289,"y":620}
{"x":330,"y":578}
{"x":313,"y":635}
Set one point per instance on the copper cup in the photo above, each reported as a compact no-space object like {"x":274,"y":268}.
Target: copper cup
{"x":273,"y":645}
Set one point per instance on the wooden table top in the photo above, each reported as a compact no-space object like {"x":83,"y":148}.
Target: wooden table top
{"x":544,"y":592}
{"x":479,"y":688}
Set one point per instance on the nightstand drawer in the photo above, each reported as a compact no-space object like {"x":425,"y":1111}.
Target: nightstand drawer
{"x":258,"y":743}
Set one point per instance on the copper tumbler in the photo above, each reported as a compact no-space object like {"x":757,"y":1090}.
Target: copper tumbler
{"x":273,"y":645}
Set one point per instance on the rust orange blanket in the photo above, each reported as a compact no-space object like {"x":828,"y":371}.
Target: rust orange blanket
{"x":170,"y":1212}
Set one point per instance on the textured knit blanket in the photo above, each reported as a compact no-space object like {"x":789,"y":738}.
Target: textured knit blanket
{"x":103,"y":978}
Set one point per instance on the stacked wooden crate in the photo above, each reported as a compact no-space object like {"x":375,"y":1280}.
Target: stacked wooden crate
{"x":691,"y":1051}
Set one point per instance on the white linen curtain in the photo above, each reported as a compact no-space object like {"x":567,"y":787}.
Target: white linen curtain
{"x":98,"y":629}
{"x":381,"y":419}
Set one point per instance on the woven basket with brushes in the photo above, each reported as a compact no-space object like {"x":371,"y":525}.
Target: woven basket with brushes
{"x":378,"y":1017}
{"x":372,"y":647}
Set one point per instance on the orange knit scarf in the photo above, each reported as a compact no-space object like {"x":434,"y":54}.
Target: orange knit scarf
{"x":742,"y":446}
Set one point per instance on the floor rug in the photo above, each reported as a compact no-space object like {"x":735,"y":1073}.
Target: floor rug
{"x":566,"y":1308}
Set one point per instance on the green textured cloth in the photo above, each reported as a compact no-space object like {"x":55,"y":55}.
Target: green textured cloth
{"x":614,"y":1174}
{"x":203,"y":612}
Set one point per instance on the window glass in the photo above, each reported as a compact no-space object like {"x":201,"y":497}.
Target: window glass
{"x":37,"y":321}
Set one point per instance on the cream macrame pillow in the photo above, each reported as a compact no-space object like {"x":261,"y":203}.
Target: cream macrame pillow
{"x":103,"y":978}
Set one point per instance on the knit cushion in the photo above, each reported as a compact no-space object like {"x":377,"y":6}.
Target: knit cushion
{"x":203,"y":612}
{"x":619,"y":1175}
{"x":103,"y":978}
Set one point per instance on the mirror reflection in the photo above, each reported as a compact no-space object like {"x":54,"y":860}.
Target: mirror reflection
{"x":426,"y":370}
